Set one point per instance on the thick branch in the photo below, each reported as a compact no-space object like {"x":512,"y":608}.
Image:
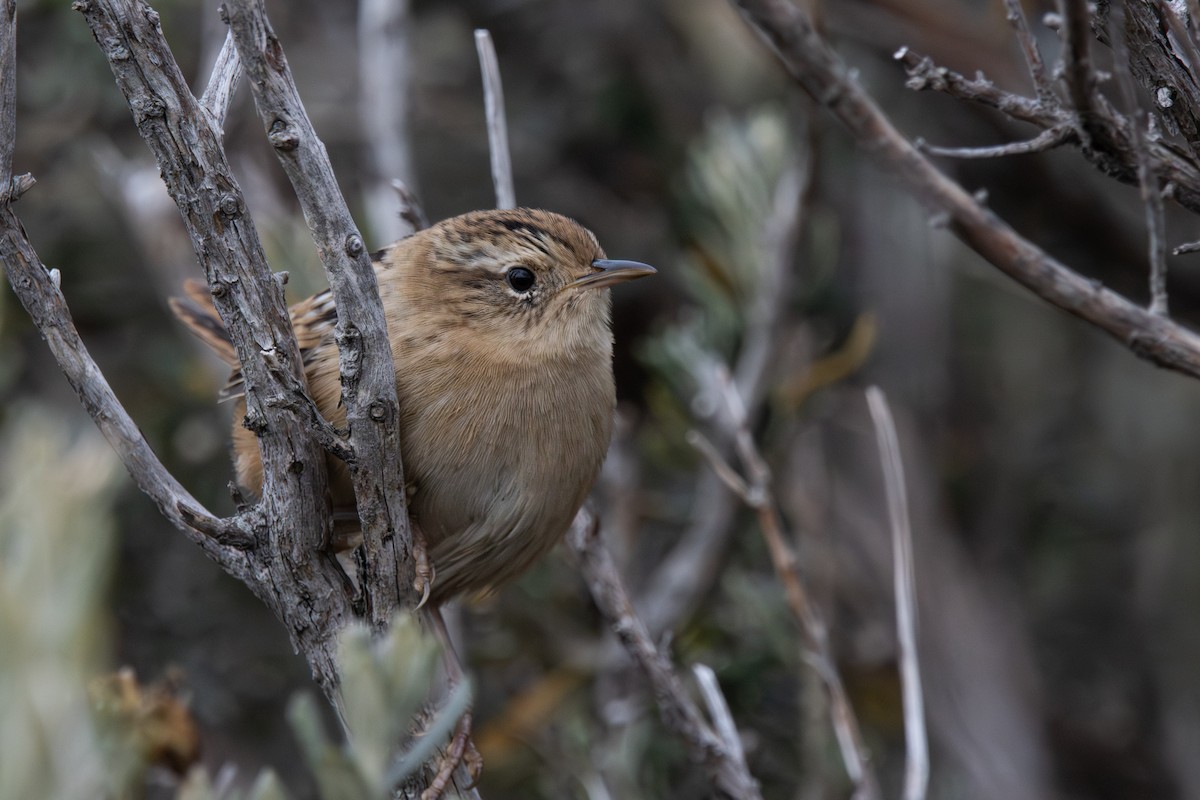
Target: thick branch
{"x":790,"y":33}
{"x":368,"y":377}
{"x":288,"y":571}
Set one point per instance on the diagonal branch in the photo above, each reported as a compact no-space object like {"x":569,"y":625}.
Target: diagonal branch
{"x":293,"y":518}
{"x":724,"y":764}
{"x":226,"y":73}
{"x":822,"y":74}
{"x":365,"y":355}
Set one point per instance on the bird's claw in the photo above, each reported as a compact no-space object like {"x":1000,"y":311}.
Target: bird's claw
{"x":461,"y":752}
{"x":423,"y":572}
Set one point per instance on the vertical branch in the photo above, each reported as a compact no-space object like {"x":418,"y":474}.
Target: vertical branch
{"x":916,"y":773}
{"x":1077,"y":64}
{"x":1147,"y":179}
{"x":1033,"y":57}
{"x":497,"y":128}
{"x":226,"y":73}
{"x":385,"y":77}
{"x":365,"y":355}
{"x":8,"y":96}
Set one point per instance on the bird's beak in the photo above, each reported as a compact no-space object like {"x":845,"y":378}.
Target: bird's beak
{"x":610,"y":272}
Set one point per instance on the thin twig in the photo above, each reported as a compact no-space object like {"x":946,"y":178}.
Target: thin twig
{"x":1077,"y":65}
{"x":718,"y":711}
{"x":1188,"y":247}
{"x":226,"y":73}
{"x":497,"y":128}
{"x":684,"y":576}
{"x":1033,"y":57}
{"x":1046,"y":140}
{"x":916,"y":773}
{"x":1147,"y":180}
{"x":725,"y":769}
{"x":759,"y":496}
{"x":823,"y":75}
{"x":385,"y":79}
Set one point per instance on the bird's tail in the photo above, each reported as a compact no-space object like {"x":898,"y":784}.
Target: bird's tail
{"x":196,"y":310}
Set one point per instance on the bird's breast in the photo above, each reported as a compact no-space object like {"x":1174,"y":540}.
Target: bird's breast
{"x":501,"y":457}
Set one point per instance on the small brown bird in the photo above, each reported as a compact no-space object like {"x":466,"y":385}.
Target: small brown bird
{"x":500,"y":329}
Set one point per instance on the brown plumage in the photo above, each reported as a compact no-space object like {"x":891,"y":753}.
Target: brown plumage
{"x":499,"y":326}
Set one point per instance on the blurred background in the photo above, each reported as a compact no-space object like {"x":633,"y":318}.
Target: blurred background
{"x":1051,"y":475}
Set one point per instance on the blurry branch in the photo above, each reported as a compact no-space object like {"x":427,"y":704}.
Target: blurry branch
{"x":822,"y":74}
{"x":687,"y":573}
{"x":385,"y":78}
{"x":1029,"y":48}
{"x":718,"y":711}
{"x":756,"y":492}
{"x":916,"y":774}
{"x":1046,"y":140}
{"x":1078,"y":72}
{"x":1152,"y":200}
{"x":364,"y":354}
{"x":725,"y":765}
{"x":497,"y":128}
{"x":226,"y":73}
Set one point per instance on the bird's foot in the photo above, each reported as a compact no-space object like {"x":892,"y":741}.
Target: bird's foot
{"x":460,"y":753}
{"x":423,"y":572}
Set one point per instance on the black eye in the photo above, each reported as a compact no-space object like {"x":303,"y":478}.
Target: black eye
{"x":520,"y":279}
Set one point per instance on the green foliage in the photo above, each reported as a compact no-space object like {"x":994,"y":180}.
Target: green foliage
{"x":385,"y":685}
{"x":56,"y":549}
{"x":56,"y":537}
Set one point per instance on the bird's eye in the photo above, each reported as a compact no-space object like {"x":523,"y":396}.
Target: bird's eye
{"x":520,"y":279}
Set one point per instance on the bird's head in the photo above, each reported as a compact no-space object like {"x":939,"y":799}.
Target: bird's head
{"x":519,"y":281}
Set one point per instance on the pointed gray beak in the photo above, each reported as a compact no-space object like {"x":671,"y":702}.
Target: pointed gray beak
{"x":611,"y":272}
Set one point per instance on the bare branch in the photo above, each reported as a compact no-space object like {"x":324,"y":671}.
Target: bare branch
{"x":284,"y":568}
{"x":1113,"y":154}
{"x":924,"y":75}
{"x":1077,"y":65}
{"x":365,"y":356}
{"x":720,"y":466}
{"x":226,"y":73}
{"x":385,"y":78}
{"x":493,"y":98}
{"x":1147,"y":180}
{"x":760,"y":497}
{"x":718,"y":711}
{"x":916,"y":773}
{"x":823,"y":75}
{"x":1046,"y":140}
{"x":680,"y":714}
{"x":1033,"y":57}
{"x":8,"y":97}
